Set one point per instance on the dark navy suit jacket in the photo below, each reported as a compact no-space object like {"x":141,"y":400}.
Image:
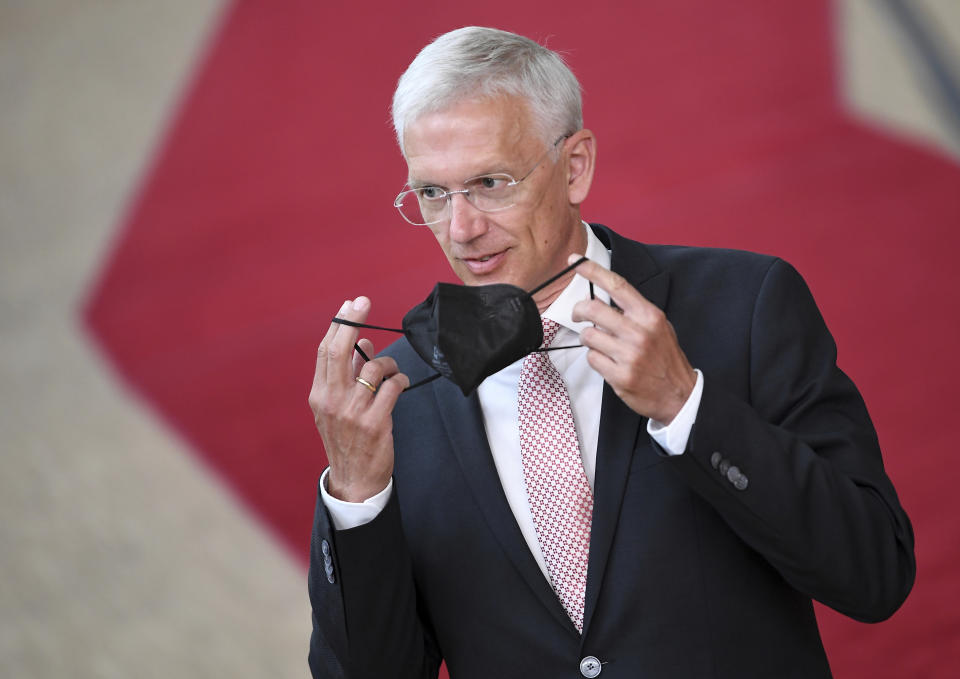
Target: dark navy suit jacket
{"x":701,"y":565}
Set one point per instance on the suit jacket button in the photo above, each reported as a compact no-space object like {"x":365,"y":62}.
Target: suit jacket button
{"x":737,"y":478}
{"x":329,"y":570}
{"x":724,"y":467}
{"x":715,"y":460}
{"x":325,"y":547}
{"x":590,"y":667}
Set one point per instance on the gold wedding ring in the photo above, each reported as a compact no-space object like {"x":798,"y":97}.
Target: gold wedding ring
{"x":369,"y":386}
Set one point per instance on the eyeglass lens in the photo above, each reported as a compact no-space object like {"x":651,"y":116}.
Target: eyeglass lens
{"x":430,"y":204}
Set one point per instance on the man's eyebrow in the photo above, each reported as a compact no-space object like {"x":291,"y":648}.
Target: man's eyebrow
{"x":499,"y":168}
{"x":420,"y":184}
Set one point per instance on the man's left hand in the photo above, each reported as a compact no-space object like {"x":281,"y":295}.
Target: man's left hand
{"x":636,"y":349}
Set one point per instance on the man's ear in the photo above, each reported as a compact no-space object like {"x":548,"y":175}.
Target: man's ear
{"x":581,"y":161}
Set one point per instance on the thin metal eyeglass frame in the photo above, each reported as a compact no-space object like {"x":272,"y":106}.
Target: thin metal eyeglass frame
{"x":448,"y":195}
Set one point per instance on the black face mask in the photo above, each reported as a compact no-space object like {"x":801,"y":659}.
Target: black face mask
{"x":468,"y":333}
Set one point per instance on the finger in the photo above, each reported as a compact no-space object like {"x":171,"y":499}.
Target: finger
{"x":601,"y":315}
{"x":390,"y":389}
{"x":621,"y":292}
{"x":358,"y":361}
{"x":340,"y":350}
{"x":372,"y":373}
{"x":320,"y":374}
{"x":606,"y":366}
{"x":378,"y":369}
{"x":334,"y":327}
{"x":602,"y":342}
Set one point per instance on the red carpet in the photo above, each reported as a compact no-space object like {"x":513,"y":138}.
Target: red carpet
{"x":718,"y":123}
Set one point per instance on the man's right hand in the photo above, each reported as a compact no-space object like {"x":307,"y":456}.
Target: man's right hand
{"x":353,"y":420}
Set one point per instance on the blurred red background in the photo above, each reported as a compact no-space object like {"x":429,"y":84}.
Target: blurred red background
{"x":269,"y":203}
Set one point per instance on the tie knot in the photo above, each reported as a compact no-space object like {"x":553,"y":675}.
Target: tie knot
{"x":550,"y":330}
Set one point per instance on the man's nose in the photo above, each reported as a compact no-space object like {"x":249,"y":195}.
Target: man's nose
{"x":466,"y":221}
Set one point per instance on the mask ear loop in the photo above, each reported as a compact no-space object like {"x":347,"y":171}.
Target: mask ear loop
{"x":561,"y":275}
{"x":363,"y":355}
{"x":551,"y":280}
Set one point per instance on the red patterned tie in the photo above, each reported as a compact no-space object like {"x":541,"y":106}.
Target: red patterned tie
{"x":560,"y":498}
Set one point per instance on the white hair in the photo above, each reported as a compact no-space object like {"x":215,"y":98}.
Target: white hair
{"x":481,"y":62}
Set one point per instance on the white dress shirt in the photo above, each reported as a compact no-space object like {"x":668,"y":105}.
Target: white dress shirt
{"x":498,"y":402}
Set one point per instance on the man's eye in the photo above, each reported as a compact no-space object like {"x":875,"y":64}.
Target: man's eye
{"x":431,"y":193}
{"x":489,"y":184}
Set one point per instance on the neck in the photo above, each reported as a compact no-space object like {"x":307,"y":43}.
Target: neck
{"x":544,"y":298}
{"x":549,"y":293}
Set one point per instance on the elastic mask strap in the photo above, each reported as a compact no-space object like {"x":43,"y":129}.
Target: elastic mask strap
{"x":363,"y":355}
{"x":423,"y":381}
{"x":551,"y":280}
{"x":572,"y":346}
{"x":561,"y":275}
{"x":354,"y":324}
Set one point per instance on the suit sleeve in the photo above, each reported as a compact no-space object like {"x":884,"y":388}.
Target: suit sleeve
{"x":795,"y":468}
{"x":364,"y":601}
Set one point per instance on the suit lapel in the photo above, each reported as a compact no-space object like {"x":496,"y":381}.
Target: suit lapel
{"x":463,"y":421}
{"x":620,"y":427}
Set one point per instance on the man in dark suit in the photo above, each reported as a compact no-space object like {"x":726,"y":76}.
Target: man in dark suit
{"x":726,"y":471}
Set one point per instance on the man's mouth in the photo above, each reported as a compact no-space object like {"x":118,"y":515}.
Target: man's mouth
{"x":484,"y":264}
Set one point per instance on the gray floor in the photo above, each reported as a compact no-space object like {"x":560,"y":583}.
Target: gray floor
{"x":119,"y":555}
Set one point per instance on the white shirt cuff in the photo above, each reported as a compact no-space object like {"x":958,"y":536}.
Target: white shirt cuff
{"x":673,"y":437}
{"x":345,"y":515}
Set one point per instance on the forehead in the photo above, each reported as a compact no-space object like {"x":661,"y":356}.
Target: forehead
{"x":471,"y":137}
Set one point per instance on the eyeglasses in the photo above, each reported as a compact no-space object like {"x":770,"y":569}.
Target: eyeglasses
{"x":427,"y":205}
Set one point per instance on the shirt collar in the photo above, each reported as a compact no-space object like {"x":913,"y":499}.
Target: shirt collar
{"x":577,"y":289}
